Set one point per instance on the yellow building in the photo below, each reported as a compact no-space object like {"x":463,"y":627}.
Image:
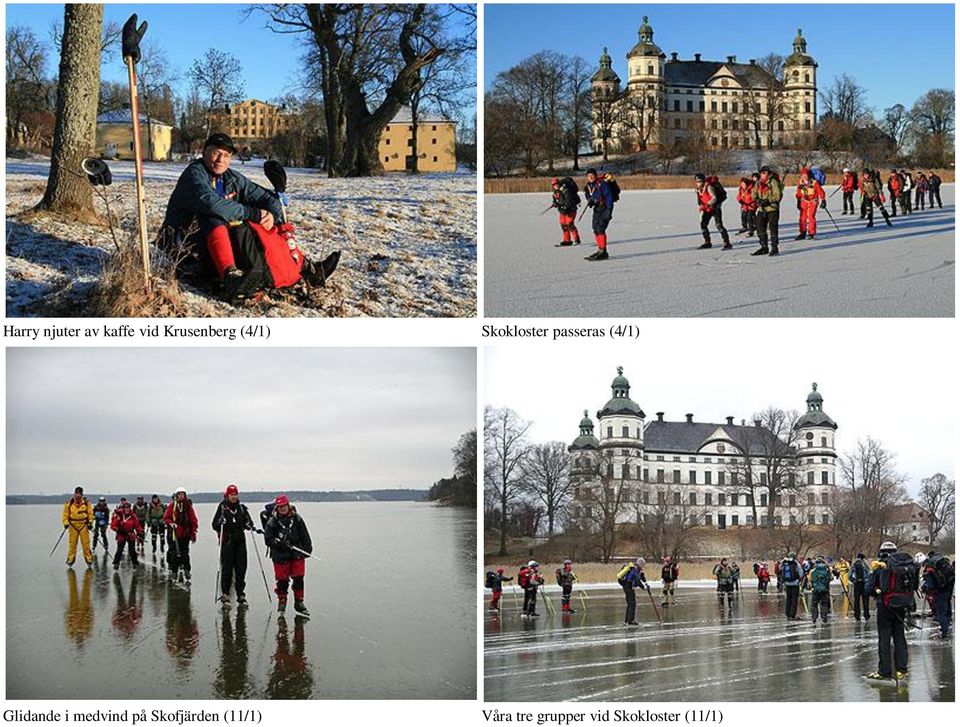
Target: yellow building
{"x":436,"y":143}
{"x":115,"y":137}
{"x":252,"y":120}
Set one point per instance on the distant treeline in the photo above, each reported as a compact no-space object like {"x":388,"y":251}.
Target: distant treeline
{"x":252,"y":496}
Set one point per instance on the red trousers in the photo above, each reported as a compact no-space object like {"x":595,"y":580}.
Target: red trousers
{"x":567,"y":224}
{"x":808,"y":216}
{"x":496,"y":599}
{"x":286,"y":570}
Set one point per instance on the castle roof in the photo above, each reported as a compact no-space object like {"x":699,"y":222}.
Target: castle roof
{"x":697,"y":73}
{"x":689,"y":437}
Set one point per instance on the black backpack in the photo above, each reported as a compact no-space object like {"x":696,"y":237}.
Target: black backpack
{"x":719,"y":192}
{"x":898,"y":581}
{"x":942,"y":570}
{"x":569,"y":192}
{"x":491,"y":579}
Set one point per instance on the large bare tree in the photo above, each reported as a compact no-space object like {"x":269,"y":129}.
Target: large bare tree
{"x":218,"y":77}
{"x":546,"y":478}
{"x":369,"y":59}
{"x":77,"y":94}
{"x":845,"y":100}
{"x":665,"y":527}
{"x":504,"y":452}
{"x":938,"y":499}
{"x":27,"y":83}
{"x":766,"y":106}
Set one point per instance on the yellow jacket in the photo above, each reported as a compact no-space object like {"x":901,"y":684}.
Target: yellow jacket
{"x":843,"y":568}
{"x":77,"y":515}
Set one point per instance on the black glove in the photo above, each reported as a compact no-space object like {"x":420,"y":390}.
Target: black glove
{"x":89,"y":526}
{"x":589,"y":203}
{"x":66,"y":525}
{"x":823,"y":204}
{"x":131,"y":38}
{"x":798,"y":203}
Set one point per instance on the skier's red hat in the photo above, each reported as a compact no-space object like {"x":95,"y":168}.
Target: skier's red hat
{"x":231,"y":490}
{"x":281,"y":500}
{"x":554,"y":182}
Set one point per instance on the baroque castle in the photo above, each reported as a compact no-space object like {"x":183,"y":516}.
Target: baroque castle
{"x":725,"y":103}
{"x":697,"y":464}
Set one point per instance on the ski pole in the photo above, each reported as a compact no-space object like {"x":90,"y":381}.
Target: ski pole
{"x":547,"y":210}
{"x":217,"y":588}
{"x":260,"y":563}
{"x":654,"y":604}
{"x":131,"y":54}
{"x":304,"y":553}
{"x":583,"y":212}
{"x":62,"y":533}
{"x":825,"y":209}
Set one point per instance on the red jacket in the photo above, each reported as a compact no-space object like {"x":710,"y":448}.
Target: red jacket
{"x":849,"y":183}
{"x":810,"y":191}
{"x":706,"y":197}
{"x":183,"y":518}
{"x":745,"y":198}
{"x":126,"y":525}
{"x":763,"y":574}
{"x":893,"y":184}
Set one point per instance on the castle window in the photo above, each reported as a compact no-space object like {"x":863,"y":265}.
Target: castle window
{"x":434,"y":159}
{"x":676,"y":497}
{"x":434,"y":128}
{"x":724,"y":124}
{"x":433,"y":141}
{"x":723,"y":107}
{"x":811,"y":519}
{"x":721,"y":499}
{"x":713,"y":125}
{"x":806,"y":124}
{"x":649,"y":69}
{"x":693,"y":498}
{"x":825,"y":519}
{"x":646,"y":475}
{"x":660,"y":476}
{"x":736,"y":124}
{"x":713,"y":141}
{"x":735,"y":499}
{"x":646,"y":497}
{"x":791,"y":479}
{"x":763,"y":499}
{"x":610,"y":470}
{"x":735,"y":107}
{"x":386,"y":159}
{"x":626,"y":432}
{"x":713,"y":106}
{"x":707,"y":477}
{"x":809,"y":478}
{"x":824,"y":498}
{"x":676,"y":123}
{"x":693,"y":477}
{"x":387,"y":142}
{"x":676,"y":476}
{"x":609,"y":432}
{"x":763,"y":479}
{"x":661,"y":497}
{"x":676,"y":104}
{"x":690,"y":106}
{"x":780,"y":126}
{"x":810,"y":498}
{"x":735,"y":520}
{"x":708,"y":519}
{"x":707,"y":498}
{"x":721,"y":478}
{"x":824,"y":478}
{"x":702,"y":106}
{"x":806,"y":77}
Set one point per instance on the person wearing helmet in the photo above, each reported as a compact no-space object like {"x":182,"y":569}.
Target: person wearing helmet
{"x":155,"y":522}
{"x":496,"y":585}
{"x":894,"y":578}
{"x":230,"y":523}
{"x":140,"y":510}
{"x":181,"y":522}
{"x":792,"y":573}
{"x":566,"y":198}
{"x":286,"y":534}
{"x":849,"y":185}
{"x":128,"y":529}
{"x":669,"y":574}
{"x":565,"y":579}
{"x":530,"y":580}
{"x":101,"y":521}
{"x":632,"y":576}
{"x":710,"y":196}
{"x":78,"y":518}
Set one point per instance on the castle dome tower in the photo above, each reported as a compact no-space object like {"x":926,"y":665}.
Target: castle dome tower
{"x":816,"y":442}
{"x":800,"y":89}
{"x":583,"y":449}
{"x":621,"y":419}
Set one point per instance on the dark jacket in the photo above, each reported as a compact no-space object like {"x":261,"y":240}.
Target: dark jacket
{"x":283,"y":531}
{"x":234,"y":518}
{"x":196,"y":196}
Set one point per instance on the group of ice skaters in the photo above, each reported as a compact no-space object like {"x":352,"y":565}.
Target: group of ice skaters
{"x":893,"y":579}
{"x":759,"y":197}
{"x":174,"y":526}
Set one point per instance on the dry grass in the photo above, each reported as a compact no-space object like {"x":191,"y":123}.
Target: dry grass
{"x":120,"y":292}
{"x":640,"y":181}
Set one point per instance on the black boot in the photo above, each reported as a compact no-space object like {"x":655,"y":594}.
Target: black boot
{"x":300,"y":607}
{"x":316,"y":275}
{"x":762,"y":251}
{"x":774,"y":250}
{"x":706,"y":245}
{"x":801,"y":236}
{"x":281,"y":604}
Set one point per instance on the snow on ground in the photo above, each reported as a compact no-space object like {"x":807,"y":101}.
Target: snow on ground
{"x":655,"y":269}
{"x":409,"y":243}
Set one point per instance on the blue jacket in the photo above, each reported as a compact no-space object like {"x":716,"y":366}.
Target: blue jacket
{"x":599,"y":195}
{"x":197,"y":195}
{"x":635,"y":577}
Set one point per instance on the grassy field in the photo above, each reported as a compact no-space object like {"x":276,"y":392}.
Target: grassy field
{"x":645,"y":181}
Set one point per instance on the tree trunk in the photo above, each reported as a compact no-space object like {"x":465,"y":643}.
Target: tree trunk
{"x":415,"y":146}
{"x":75,"y":132}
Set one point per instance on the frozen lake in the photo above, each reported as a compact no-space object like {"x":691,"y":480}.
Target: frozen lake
{"x":103,"y":634}
{"x":655,"y":270}
{"x":700,"y":653}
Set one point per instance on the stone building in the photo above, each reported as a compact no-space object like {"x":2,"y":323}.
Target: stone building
{"x":436,"y":143}
{"x":251,"y":121}
{"x":699,"y":464}
{"x":727,"y":103}
{"x":114,"y":137}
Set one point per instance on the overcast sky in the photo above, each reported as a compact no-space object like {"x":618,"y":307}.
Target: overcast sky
{"x":899,"y":397}
{"x":122,"y":420}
